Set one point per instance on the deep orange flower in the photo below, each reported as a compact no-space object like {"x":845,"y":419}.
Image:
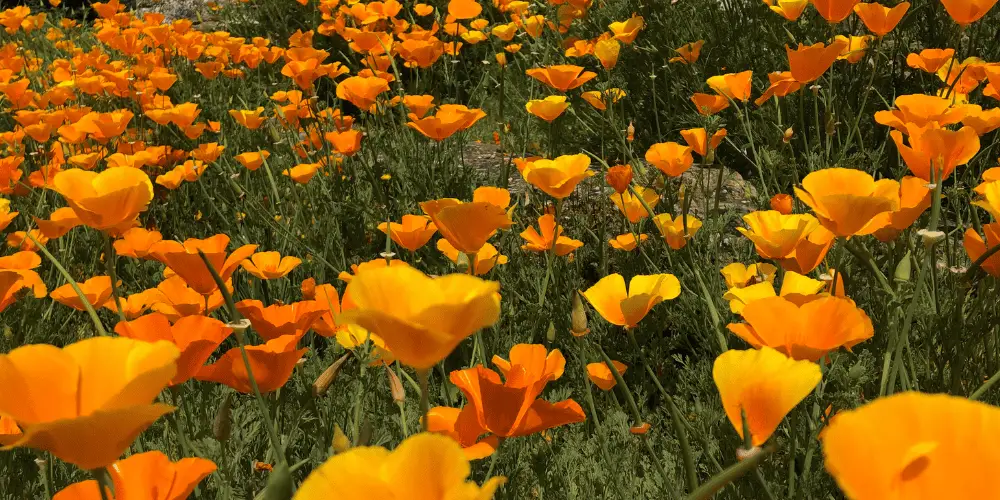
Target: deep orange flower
{"x":782,"y":84}
{"x":626,"y":308}
{"x":279,"y":320}
{"x":550,"y":235}
{"x":16,"y":274}
{"x":631,"y":205}
{"x":606,"y":51}
{"x":252,"y":160}
{"x":846,"y":200}
{"x":59,"y":223}
{"x":697,"y":139}
{"x":677,"y":231}
{"x":134,"y":305}
{"x":671,"y":158}
{"x":930,"y":60}
{"x":176,"y":299}
{"x":808,"y":62}
{"x":735,"y":86}
{"x":109,"y":201}
{"x":918,"y":112}
{"x":482,"y":263}
{"x":914,"y":199}
{"x":783,"y":203}
{"x":361,"y":91}
{"x":97,"y":290}
{"x":249,"y":118}
{"x":272,"y":365}
{"x":549,"y":108}
{"x":559,"y":177}
{"x":302,"y":173}
{"x":145,"y":475}
{"x":937,"y":148}
{"x":505,"y":409}
{"x":414,"y":231}
{"x":419,"y":105}
{"x":378,"y":263}
{"x":982,"y":121}
{"x":184,"y":260}
{"x":708,"y":104}
{"x":626,"y":31}
{"x":880,"y":19}
{"x":688,"y":53}
{"x":87,"y":402}
{"x":466,"y":226}
{"x":562,"y":77}
{"x":774,"y":235}
{"x":619,"y":177}
{"x":966,"y":12}
{"x":627,"y":241}
{"x":976,"y":247}
{"x":195,"y":336}
{"x":450,"y":118}
{"x":464,"y":9}
{"x":601,"y":375}
{"x":834,"y":11}
{"x":789,"y":9}
{"x":763,"y":384}
{"x":270,"y":265}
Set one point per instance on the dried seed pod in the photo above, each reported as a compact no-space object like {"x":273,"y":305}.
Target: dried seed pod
{"x":326,"y":378}
{"x":223,"y":426}
{"x":395,"y":386}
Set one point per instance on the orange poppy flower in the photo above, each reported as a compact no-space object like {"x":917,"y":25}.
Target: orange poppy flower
{"x":183,"y":259}
{"x":854,"y":47}
{"x":626,"y":31}
{"x":361,"y":91}
{"x":601,"y":375}
{"x":989,"y":200}
{"x":249,"y":118}
{"x":794,"y":286}
{"x":109,"y":201}
{"x":505,"y":409}
{"x":272,"y":365}
{"x":97,"y":290}
{"x":195,"y":336}
{"x":834,"y":11}
{"x":136,"y":242}
{"x":424,"y":462}
{"x":599,"y":100}
{"x":627,"y":241}
{"x":983,"y":122}
{"x":774,"y":235}
{"x":738,"y":275}
{"x":880,"y":19}
{"x":6,"y":215}
{"x":763,"y":384}
{"x":550,"y":235}
{"x":9,"y":431}
{"x":930,"y":60}
{"x":16,"y":274}
{"x":782,"y":84}
{"x":348,"y":336}
{"x":279,"y":320}
{"x":619,"y":177}
{"x":626,"y":308}
{"x":421,"y":319}
{"x":302,"y":173}
{"x":919,"y":111}
{"x":709,"y":104}
{"x":806,"y":329}
{"x":976,"y":247}
{"x":464,"y":9}
{"x":606,"y":51}
{"x":466,"y":226}
{"x":562,"y":77}
{"x":966,"y":12}
{"x":782,"y":203}
{"x":252,"y":160}
{"x":939,"y":148}
{"x":549,"y":108}
{"x":808,"y":62}
{"x":697,"y":139}
{"x":482,"y":263}
{"x":735,"y":86}
{"x":846,"y":200}
{"x":145,"y":475}
{"x":270,"y":265}
{"x":419,"y":105}
{"x":346,"y":142}
{"x":789,"y":9}
{"x":676,"y":231}
{"x":559,"y":177}
{"x":688,"y":53}
{"x":449,"y":119}
{"x":378,"y":263}
{"x":914,"y":199}
{"x":59,"y":222}
{"x":134,"y":305}
{"x":98,"y":395}
{"x":631,"y":206}
{"x":414,"y":231}
{"x":20,"y":240}
{"x":670,"y":158}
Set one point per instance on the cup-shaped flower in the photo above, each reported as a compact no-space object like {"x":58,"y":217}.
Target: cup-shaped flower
{"x":449,"y":119}
{"x":184,"y":260}
{"x":880,"y":19}
{"x":914,"y":199}
{"x":176,"y":299}
{"x":976,"y":247}
{"x":419,"y":105}
{"x":627,"y":307}
{"x":424,"y":464}
{"x":809,"y":251}
{"x":803,"y":328}
{"x":783,"y":203}
{"x":549,"y":235}
{"x":677,"y":231}
{"x":559,"y":177}
{"x":765,"y":385}
{"x":278,"y":320}
{"x":272,"y":364}
{"x":934,"y":153}
{"x":989,"y":198}
{"x":631,"y":206}
{"x":735,"y":86}
{"x":549,"y":108}
{"x":626,"y":31}
{"x":87,"y":402}
{"x":145,"y":475}
{"x":270,"y":265}
{"x":846,"y":200}
{"x":16,"y":274}
{"x":361,"y":91}
{"x":482,"y":262}
{"x":601,"y":375}
{"x":790,"y":9}
{"x":698,"y":140}
{"x":688,"y":53}
{"x":917,"y":111}
{"x":362,"y":267}
{"x":606,"y":51}
{"x":136,"y":242}
{"x":782,"y":84}
{"x":966,"y":12}
{"x":627,"y":242}
{"x":738,"y":275}
{"x":252,"y":160}
{"x":914,"y":445}
{"x":775,"y":235}
{"x":412,"y":233}
{"x":670,"y":158}
{"x":505,"y":409}
{"x":109,"y":201}
{"x":249,"y":118}
{"x":561,"y":77}
{"x":421,"y":319}
{"x":619,"y":177}
{"x":794,"y":286}
{"x":929,"y":60}
{"x":808,"y":63}
{"x":466,"y":226}
{"x":709,"y":104}
{"x":834,"y":11}
{"x":95,"y":290}
{"x":195,"y":336}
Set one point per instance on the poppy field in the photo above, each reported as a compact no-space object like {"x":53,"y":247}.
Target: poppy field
{"x":473,"y":249}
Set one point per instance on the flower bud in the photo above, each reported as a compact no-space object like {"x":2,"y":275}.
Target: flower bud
{"x":462,"y":263}
{"x":787,"y":136}
{"x":223,"y":426}
{"x":550,"y":334}
{"x":326,"y":378}
{"x":619,"y":177}
{"x":340,"y":441}
{"x":395,"y":386}
{"x":578,"y":317}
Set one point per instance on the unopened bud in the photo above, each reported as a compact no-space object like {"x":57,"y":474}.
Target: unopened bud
{"x":326,"y":378}
{"x":222,"y":427}
{"x":787,"y":136}
{"x":340,"y":441}
{"x":395,"y":386}
{"x":462,"y":262}
{"x":550,"y":334}
{"x":578,"y":324}
{"x":903,"y":269}
{"x":831,"y":125}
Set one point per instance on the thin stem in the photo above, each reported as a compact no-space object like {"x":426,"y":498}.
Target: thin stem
{"x":72,"y":283}
{"x":734,"y":472}
{"x":985,"y":387}
{"x":425,"y":400}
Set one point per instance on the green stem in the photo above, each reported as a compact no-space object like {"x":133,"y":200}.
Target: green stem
{"x":72,"y":283}
{"x":425,"y":400}
{"x":734,"y":472}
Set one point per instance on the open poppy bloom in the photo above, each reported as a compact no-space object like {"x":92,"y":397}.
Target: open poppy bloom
{"x":16,"y":274}
{"x":482,"y":262}
{"x":735,"y":86}
{"x":676,"y":231}
{"x":626,"y":31}
{"x":880,"y":19}
{"x":60,"y":222}
{"x":834,"y":11}
{"x":423,"y":462}
{"x":549,"y":108}
{"x":989,"y":197}
{"x":794,"y":287}
{"x":278,"y":320}
{"x":975,"y":246}
{"x":145,"y":475}
{"x":808,"y":63}
{"x":782,"y":84}
{"x":550,"y":235}
{"x":775,"y":235}
{"x":627,"y":241}
{"x":709,"y":104}
{"x":361,"y":91}
{"x":109,"y":201}
{"x":421,"y":319}
{"x":631,"y":205}
{"x":929,"y":60}
{"x":251,"y":119}
{"x":183,"y":259}
{"x":419,"y":105}
{"x":561,"y":77}
{"x":98,"y":395}
{"x":134,"y":305}
{"x":918,"y":112}
{"x":846,"y":200}
{"x":765,"y":385}
{"x":466,"y":226}
{"x":505,"y":409}
{"x":272,"y":365}
{"x":136,"y":242}
{"x":671,"y":158}
{"x":606,"y":51}
{"x":270,"y":265}
{"x":601,"y":375}
{"x":414,"y":231}
{"x":195,"y":336}
{"x":698,"y":140}
{"x":450,"y":118}
{"x":619,"y":177}
{"x":939,"y":149}
{"x":176,"y":299}
{"x":738,"y":275}
{"x":804,"y":328}
{"x":789,"y":9}
{"x":378,"y":263}
{"x":599,"y":100}
{"x":96,"y":290}
{"x":914,"y":200}
{"x":559,"y":177}
{"x":966,"y":12}
{"x":688,"y":53}
{"x":626,"y":308}
{"x":252,"y":160}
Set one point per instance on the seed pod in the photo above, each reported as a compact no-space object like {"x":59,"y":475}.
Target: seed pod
{"x":579,"y":317}
{"x":223,"y":426}
{"x":395,"y":386}
{"x":340,"y":441}
{"x":326,"y":378}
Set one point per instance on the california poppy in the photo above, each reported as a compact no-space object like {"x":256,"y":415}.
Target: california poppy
{"x":808,"y":63}
{"x":361,"y":91}
{"x":880,"y":19}
{"x":738,"y":275}
{"x":599,"y":99}
{"x":966,"y":12}
{"x":278,"y":320}
{"x":708,"y":104}
{"x":670,"y":158}
{"x":561,"y":77}
{"x":782,"y":203}
{"x":249,"y":118}
{"x":627,"y":241}
{"x":914,"y":199}
{"x":626,"y":308}
{"x":419,"y":105}
{"x":95,"y":290}
{"x":252,"y":160}
{"x":183,"y":259}
{"x":606,"y":51}
{"x":559,"y":177}
{"x":464,"y":9}
{"x":794,"y":286}
{"x":846,"y":200}
{"x":626,"y":31}
{"x":505,"y":409}
{"x":735,"y":86}
{"x":134,"y":305}
{"x":688,"y":53}
{"x":601,"y":375}
{"x":763,"y":384}
{"x":929,"y":60}
{"x":789,"y":9}
{"x":414,"y":231}
{"x":270,"y":265}
{"x":698,"y":140}
{"x":782,"y":84}
{"x":423,"y":463}
{"x":619,"y":177}
{"x":109,"y":201}
{"x":176,"y":299}
{"x":677,"y":231}
{"x":195,"y":336}
{"x":976,"y":247}
{"x":810,"y":251}
{"x":421,"y":319}
{"x":549,"y":237}
{"x":378,"y":263}
{"x":549,"y":108}
{"x":775,"y":235}
{"x":302,"y":173}
{"x":16,"y":274}
{"x":834,"y":11}
{"x":145,"y":475}
{"x":482,"y":262}
{"x":631,"y":205}
{"x":466,"y":226}
{"x":989,"y":197}
{"x":59,"y":222}
{"x":450,"y":118}
{"x":98,"y":395}
{"x":939,"y":149}
{"x":918,"y":112}
{"x":272,"y":365}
